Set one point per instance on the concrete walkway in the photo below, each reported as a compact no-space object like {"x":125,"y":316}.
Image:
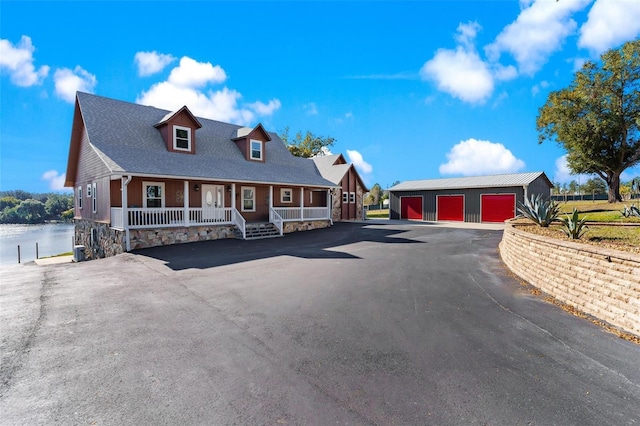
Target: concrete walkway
{"x":56,"y":260}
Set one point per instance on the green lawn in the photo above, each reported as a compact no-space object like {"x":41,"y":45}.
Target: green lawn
{"x":598,"y":211}
{"x":378,"y":214}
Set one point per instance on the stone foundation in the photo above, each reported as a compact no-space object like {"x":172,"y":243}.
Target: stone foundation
{"x":105,"y":241}
{"x":601,"y":282}
{"x":144,"y":238}
{"x":305,"y":226}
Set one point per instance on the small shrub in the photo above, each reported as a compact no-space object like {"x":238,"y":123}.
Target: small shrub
{"x":573,"y":226}
{"x":631,"y":211}
{"x":539,"y":210}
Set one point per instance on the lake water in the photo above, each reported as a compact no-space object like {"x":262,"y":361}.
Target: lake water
{"x":52,"y":239}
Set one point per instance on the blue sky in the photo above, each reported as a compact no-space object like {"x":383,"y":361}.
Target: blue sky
{"x":410,"y":90}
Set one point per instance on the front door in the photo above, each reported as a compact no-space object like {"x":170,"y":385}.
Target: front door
{"x":212,"y":202}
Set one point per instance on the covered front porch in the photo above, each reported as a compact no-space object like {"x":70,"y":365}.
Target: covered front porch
{"x":140,"y":203}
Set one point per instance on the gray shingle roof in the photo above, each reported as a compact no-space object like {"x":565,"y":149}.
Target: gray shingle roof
{"x":328,"y":170}
{"x":492,"y":181}
{"x":123,"y":134}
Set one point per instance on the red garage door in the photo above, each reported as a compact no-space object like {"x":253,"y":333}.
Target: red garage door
{"x":498,"y":207}
{"x":450,"y":207}
{"x":411,"y":208}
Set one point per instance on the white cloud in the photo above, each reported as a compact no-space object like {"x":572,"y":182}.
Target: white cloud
{"x":185,"y":87}
{"x":461,"y":72}
{"x":18,"y":60}
{"x":539,"y":31}
{"x":265,"y":109}
{"x":191,"y":73}
{"x":502,"y":73}
{"x":475,"y":157}
{"x":356,"y":158}
{"x":56,"y":181}
{"x":311,"y":108}
{"x":68,"y":82}
{"x":151,"y":62}
{"x":609,"y":24}
{"x":535,"y":90}
{"x":563,"y":174}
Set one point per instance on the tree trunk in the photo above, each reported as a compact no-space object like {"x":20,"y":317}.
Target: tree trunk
{"x":613,"y":181}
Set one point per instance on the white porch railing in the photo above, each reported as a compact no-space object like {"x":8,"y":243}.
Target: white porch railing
{"x":276,"y":219}
{"x":117,"y":218}
{"x":292,"y":214}
{"x":156,"y":217}
{"x":240,"y":223}
{"x":206,"y":216}
{"x":316,"y":213}
{"x":140,"y":218}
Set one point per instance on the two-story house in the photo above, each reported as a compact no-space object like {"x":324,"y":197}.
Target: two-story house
{"x":145,"y":177}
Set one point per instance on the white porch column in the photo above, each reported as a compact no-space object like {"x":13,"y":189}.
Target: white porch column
{"x":270,"y":197}
{"x":125,"y":210}
{"x":302,"y":203}
{"x":185,"y":199}
{"x":329,"y":206}
{"x":233,"y":196}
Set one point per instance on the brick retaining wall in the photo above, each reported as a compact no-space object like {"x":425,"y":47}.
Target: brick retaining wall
{"x":601,"y":282}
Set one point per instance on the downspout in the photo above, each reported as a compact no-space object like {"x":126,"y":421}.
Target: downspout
{"x":125,"y":212}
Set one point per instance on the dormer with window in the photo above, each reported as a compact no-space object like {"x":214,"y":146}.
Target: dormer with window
{"x":251,"y":142}
{"x":178,"y":130}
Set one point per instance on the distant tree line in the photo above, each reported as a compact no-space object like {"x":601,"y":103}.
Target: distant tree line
{"x":596,"y":186}
{"x":25,"y":207}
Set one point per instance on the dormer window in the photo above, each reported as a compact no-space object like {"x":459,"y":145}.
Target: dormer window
{"x":251,"y":142}
{"x":181,"y":138}
{"x":256,"y":150}
{"x":178,"y":130}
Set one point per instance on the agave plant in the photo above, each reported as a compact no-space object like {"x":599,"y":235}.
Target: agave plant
{"x":573,"y":226}
{"x":631,"y":211}
{"x":539,"y":210}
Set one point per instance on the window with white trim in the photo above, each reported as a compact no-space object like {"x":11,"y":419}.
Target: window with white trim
{"x":248,"y":199}
{"x":352,"y":197}
{"x":345,"y":197}
{"x":89,"y":191}
{"x":256,"y":149}
{"x":80,"y":197}
{"x":286,"y":195}
{"x":94,"y":198}
{"x":181,"y":138}
{"x":153,"y":193}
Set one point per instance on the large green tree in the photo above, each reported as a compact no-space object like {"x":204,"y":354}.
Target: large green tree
{"x":595,"y":186}
{"x":596,"y":118}
{"x":376,"y":194}
{"x":306,"y":146}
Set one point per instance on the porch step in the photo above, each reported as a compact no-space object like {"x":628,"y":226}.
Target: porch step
{"x":258,"y":230}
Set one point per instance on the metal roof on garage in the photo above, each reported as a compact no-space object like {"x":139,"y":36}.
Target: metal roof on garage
{"x":492,"y":181}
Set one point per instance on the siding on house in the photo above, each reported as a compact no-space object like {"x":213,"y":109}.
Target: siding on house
{"x":91,"y":169}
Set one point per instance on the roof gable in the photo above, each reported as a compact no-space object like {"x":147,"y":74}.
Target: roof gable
{"x":334,"y":167}
{"x":256,"y":132}
{"x":182,"y":111}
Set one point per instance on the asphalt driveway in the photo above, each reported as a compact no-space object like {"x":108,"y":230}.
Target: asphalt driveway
{"x":358,"y":324}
